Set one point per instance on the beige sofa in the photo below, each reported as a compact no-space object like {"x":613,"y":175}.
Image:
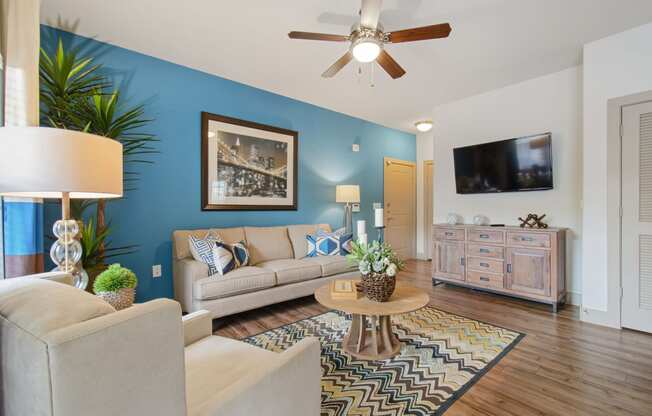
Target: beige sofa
{"x":65,"y":352}
{"x":280,"y":270}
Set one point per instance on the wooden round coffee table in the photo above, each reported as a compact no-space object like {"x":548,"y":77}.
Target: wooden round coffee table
{"x":377,"y":340}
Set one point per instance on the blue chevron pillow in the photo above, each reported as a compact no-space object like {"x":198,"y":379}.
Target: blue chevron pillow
{"x":329,"y":244}
{"x":229,"y":257}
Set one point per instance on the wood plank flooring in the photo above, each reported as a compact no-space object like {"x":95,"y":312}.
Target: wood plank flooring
{"x":562,"y":367}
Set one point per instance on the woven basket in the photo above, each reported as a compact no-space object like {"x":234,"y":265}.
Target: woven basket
{"x":378,"y":287}
{"x":121,"y":299}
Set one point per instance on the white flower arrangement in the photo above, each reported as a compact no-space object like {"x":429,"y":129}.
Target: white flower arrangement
{"x":376,"y":258}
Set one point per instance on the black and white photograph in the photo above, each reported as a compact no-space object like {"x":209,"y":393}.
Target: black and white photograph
{"x":247,"y":166}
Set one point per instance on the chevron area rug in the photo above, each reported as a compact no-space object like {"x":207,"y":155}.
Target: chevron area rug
{"x":441,"y":357}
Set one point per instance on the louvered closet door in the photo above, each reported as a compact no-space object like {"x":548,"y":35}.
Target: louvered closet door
{"x":637,"y":217}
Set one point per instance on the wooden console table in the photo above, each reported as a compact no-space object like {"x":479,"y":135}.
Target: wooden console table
{"x":522,"y":262}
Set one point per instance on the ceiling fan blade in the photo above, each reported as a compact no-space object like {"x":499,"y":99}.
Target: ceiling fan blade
{"x":318,"y":36}
{"x":338,"y":65}
{"x":370,"y":13}
{"x":390,"y":65}
{"x":421,"y":33}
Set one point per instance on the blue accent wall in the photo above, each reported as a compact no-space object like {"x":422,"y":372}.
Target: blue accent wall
{"x":168,"y":194}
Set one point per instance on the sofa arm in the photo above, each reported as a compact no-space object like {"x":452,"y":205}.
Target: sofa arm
{"x":299,"y":393}
{"x":186,"y":272}
{"x":197,"y":325}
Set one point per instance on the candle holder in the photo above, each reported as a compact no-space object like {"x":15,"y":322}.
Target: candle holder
{"x":381,"y":232}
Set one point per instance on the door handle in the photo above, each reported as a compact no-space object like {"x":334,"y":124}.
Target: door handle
{"x":462,"y":262}
{"x":509,"y":268}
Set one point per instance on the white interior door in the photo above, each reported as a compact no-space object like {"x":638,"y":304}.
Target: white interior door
{"x":637,"y":217}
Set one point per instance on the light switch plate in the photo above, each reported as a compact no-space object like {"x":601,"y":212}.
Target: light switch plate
{"x":355,"y":207}
{"x":355,"y":147}
{"x":378,"y":205}
{"x":156,"y":270}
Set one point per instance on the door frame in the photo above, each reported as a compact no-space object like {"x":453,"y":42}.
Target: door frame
{"x":428,"y":203}
{"x":613,"y":315}
{"x":386,"y":162}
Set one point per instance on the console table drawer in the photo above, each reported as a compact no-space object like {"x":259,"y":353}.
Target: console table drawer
{"x":449,"y":234}
{"x":526,"y":239}
{"x":479,"y":250}
{"x":487,"y":236}
{"x":485,"y":279}
{"x":485,"y":265}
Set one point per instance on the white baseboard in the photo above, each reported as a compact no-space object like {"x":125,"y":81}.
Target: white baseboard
{"x":598,"y":317}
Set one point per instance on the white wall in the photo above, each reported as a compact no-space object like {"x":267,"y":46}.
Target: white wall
{"x":424,"y":152}
{"x":550,"y":103}
{"x":614,"y":67}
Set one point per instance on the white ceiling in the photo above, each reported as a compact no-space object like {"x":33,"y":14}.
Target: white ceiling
{"x":494,"y":43}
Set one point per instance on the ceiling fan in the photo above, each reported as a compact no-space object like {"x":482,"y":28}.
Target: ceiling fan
{"x":368,"y":38}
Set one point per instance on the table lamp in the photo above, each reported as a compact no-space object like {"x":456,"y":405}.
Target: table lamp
{"x":42,"y":162}
{"x":347,"y":194}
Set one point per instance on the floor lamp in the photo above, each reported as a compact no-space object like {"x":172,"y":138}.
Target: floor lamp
{"x":41,"y":162}
{"x":348,"y":194}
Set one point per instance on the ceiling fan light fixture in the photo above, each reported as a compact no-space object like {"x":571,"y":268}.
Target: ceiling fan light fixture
{"x":366,"y":50}
{"x":424,"y":125}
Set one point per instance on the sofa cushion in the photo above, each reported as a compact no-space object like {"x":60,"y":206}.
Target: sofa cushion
{"x":243,"y":280}
{"x":329,"y":244}
{"x":291,"y":271}
{"x":331,"y":265}
{"x":268,"y":243}
{"x":41,"y":306}
{"x":214,"y":363}
{"x":228,"y":257}
{"x":202,"y":250}
{"x":298,"y":233}
{"x":180,"y":248}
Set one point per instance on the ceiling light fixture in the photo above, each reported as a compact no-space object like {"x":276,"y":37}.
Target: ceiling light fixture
{"x":366,"y":50}
{"x":423,"y":126}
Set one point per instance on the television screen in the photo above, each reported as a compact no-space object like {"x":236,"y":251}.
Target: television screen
{"x":521,"y":164}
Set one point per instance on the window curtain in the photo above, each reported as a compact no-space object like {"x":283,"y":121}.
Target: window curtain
{"x":22,"y":219}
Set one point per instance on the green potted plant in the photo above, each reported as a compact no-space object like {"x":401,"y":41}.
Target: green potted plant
{"x":117,"y":286}
{"x":379,"y":265}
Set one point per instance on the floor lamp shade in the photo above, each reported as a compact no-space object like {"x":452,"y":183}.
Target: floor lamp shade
{"x":41,"y":162}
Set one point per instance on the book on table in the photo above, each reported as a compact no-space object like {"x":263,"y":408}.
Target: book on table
{"x":344,"y":289}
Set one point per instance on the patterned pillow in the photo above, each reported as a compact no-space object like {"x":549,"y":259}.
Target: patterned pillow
{"x":229,"y":257}
{"x":202,"y":250}
{"x":329,"y":244}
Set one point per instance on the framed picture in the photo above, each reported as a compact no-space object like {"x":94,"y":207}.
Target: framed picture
{"x":246,"y":165}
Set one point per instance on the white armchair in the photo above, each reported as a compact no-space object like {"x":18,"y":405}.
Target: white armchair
{"x":67,"y":352}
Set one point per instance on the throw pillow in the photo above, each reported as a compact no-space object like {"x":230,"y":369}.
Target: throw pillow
{"x":329,"y":244}
{"x":229,"y":257}
{"x":202,"y":250}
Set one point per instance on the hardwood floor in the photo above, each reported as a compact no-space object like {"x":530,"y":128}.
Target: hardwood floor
{"x":562,"y":367}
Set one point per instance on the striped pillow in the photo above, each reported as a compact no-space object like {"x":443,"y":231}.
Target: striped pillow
{"x":202,"y":250}
{"x":229,"y":257}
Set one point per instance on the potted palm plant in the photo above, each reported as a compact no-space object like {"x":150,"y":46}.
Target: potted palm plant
{"x":117,"y":286}
{"x":379,"y":265}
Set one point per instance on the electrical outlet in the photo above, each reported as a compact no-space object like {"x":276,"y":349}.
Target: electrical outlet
{"x":156,"y":270}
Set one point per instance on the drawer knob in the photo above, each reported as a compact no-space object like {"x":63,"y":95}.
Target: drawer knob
{"x":484,"y":264}
{"x":449,"y":233}
{"x":509,"y":268}
{"x":484,"y":250}
{"x":485,"y":236}
{"x":527,"y":239}
{"x":484,"y":279}
{"x":462,"y":261}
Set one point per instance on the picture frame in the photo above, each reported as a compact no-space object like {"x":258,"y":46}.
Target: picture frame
{"x":247,"y":166}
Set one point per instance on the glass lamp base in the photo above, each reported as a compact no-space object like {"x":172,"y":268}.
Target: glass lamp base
{"x":66,"y":252}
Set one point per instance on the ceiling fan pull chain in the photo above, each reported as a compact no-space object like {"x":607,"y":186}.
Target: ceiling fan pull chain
{"x":371,"y":76}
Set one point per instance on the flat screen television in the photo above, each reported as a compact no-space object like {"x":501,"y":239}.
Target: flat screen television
{"x":514,"y":165}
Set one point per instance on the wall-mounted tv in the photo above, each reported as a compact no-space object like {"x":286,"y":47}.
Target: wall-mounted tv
{"x":520,"y":164}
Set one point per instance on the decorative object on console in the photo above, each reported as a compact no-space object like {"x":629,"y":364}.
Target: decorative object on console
{"x":234,"y":150}
{"x":453,"y":219}
{"x":329,"y":244}
{"x":202,"y":250}
{"x":117,"y":286}
{"x":378,"y":264}
{"x":55,"y":163}
{"x":481,"y":220}
{"x":347,"y":194}
{"x":228,"y":257}
{"x":533,"y":221}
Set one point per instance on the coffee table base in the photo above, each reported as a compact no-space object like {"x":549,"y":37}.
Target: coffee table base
{"x":374,"y":342}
